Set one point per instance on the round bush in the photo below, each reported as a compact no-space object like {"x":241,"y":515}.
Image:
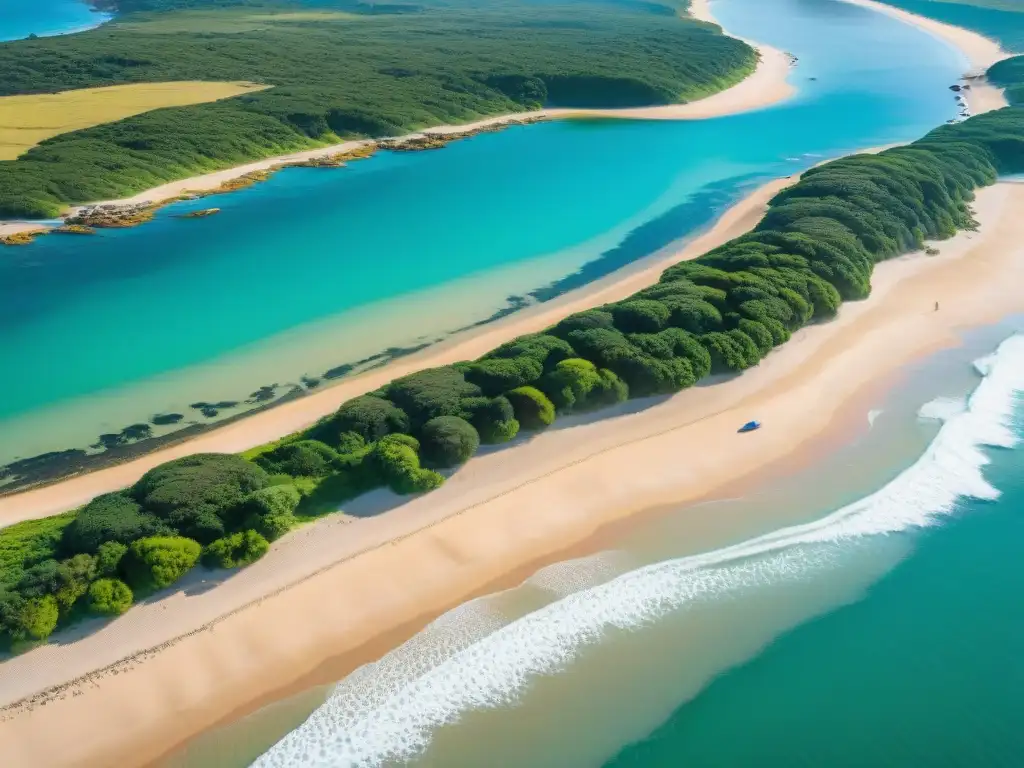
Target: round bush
{"x":448,"y":441}
{"x":544,"y":348}
{"x":608,"y":391}
{"x":500,"y":374}
{"x":195,"y":494}
{"x":110,"y":597}
{"x":110,"y":517}
{"x":395,"y":463}
{"x":494,"y":418}
{"x":304,"y":458}
{"x":640,"y":316}
{"x":159,"y":561}
{"x":108,"y":558}
{"x":235,"y":551}
{"x":368,"y":416}
{"x":569,"y":384}
{"x":270,"y":511}
{"x":38,"y":618}
{"x":532,"y":407}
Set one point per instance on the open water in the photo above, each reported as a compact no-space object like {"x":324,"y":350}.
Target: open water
{"x":319,"y":269}
{"x":864,"y":611}
{"x":21,"y":18}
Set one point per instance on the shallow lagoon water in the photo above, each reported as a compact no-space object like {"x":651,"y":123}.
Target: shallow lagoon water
{"x":320,"y":268}
{"x":21,"y":18}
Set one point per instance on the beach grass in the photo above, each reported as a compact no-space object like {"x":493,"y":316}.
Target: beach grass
{"x":28,"y":120}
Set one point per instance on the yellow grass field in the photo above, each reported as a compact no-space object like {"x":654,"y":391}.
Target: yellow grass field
{"x":27,"y":120}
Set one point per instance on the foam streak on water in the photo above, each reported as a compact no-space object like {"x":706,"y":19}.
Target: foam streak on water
{"x":467,"y":660}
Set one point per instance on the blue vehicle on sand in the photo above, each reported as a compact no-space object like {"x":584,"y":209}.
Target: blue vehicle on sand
{"x":750,"y":426}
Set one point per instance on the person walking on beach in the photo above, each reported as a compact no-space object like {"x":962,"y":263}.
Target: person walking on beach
{"x":936,"y":306}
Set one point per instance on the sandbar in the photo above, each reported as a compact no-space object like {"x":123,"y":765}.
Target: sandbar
{"x":980,"y":51}
{"x":190,"y":658}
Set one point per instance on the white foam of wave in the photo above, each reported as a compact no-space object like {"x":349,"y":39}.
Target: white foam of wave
{"x":872,"y":415}
{"x":389,"y":710}
{"x":942,"y":408}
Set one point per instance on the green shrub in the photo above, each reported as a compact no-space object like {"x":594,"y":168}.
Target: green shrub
{"x":75,"y":575}
{"x":11,"y":606}
{"x":368,"y":416}
{"x":500,"y":374}
{"x":110,"y":517}
{"x":108,"y":558}
{"x":271,"y":511}
{"x":110,"y":597}
{"x":569,"y":384}
{"x":394,"y":462}
{"x":609,"y":391}
{"x":195,"y":494}
{"x":352,"y":449}
{"x":159,"y":561}
{"x":448,"y":441}
{"x":640,"y":316}
{"x":541,"y":347}
{"x":494,"y":418}
{"x":589,"y":319}
{"x":431,"y":393}
{"x":304,"y":458}
{"x":236,"y":550}
{"x":532,"y":408}
{"x":38,"y":618}
{"x":41,"y":579}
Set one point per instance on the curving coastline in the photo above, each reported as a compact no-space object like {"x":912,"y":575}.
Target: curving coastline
{"x":766,"y":86}
{"x":980,"y":52}
{"x":472,"y":536}
{"x":501,"y":512}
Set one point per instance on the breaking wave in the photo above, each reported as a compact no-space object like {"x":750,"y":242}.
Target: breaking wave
{"x":473,"y":658}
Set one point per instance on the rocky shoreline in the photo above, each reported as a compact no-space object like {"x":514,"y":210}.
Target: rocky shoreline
{"x":87,"y":219}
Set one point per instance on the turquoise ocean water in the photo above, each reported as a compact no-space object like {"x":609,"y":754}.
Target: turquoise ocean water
{"x":860,"y":612}
{"x":317,"y":269}
{"x":21,"y":18}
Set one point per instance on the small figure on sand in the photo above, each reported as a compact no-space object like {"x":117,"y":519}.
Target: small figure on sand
{"x":936,"y":306}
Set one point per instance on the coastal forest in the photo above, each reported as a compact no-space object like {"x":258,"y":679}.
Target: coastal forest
{"x":721,"y":313}
{"x":339,"y":69}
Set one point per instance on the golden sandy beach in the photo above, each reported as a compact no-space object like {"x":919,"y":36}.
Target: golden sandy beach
{"x":766,"y":86}
{"x":980,"y":51}
{"x":502,"y":510}
{"x":168,"y":670}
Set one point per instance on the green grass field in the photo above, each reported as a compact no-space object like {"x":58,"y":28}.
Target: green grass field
{"x":25,"y":121}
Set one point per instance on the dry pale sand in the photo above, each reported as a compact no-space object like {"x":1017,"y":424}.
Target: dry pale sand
{"x":766,"y":86}
{"x":289,"y":417}
{"x":353,"y":581}
{"x":980,"y":51}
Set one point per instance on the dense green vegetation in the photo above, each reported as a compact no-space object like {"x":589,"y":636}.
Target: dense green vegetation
{"x":723,"y":312}
{"x":1009,"y":74}
{"x":363,"y":72}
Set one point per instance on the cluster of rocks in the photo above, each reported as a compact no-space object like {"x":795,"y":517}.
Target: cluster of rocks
{"x":961,"y":101}
{"x":110,"y":216}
